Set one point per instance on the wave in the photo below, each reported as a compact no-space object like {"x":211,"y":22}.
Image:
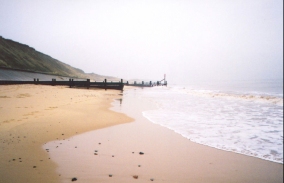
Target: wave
{"x":257,"y":97}
{"x":243,"y":122}
{"x":256,"y":144}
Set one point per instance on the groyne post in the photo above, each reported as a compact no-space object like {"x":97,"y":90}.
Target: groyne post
{"x":70,"y":82}
{"x":150,"y":83}
{"x":88,"y":83}
{"x":105,"y":84}
{"x":53,"y":82}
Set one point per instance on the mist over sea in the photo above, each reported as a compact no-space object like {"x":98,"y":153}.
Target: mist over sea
{"x":244,"y":117}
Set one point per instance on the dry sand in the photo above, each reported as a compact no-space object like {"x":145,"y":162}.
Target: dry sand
{"x":31,"y":116}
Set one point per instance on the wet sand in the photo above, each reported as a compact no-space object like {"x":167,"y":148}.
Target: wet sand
{"x":113,"y":154}
{"x":31,"y":115}
{"x":42,"y":139}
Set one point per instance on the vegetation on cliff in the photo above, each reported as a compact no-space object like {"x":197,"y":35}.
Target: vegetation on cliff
{"x":14,"y":55}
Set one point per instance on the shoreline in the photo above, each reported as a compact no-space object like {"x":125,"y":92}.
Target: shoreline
{"x":48,"y":114}
{"x":167,"y":157}
{"x":269,"y":160}
{"x":251,"y":127}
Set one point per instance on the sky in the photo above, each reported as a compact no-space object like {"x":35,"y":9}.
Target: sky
{"x":188,"y":40}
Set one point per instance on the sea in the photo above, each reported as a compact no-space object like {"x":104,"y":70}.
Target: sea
{"x":243,"y":117}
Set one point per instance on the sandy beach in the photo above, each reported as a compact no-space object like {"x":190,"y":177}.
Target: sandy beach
{"x":54,"y":134}
{"x":31,"y":115}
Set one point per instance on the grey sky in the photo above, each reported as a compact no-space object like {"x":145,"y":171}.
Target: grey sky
{"x":187,"y":40}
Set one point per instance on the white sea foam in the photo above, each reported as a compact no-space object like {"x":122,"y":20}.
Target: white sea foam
{"x":243,"y":123}
{"x":256,"y":97}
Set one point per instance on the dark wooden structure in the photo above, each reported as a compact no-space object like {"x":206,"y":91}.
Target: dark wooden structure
{"x":149,"y":84}
{"x":86,"y":83}
{"x":142,"y":84}
{"x":71,"y":83}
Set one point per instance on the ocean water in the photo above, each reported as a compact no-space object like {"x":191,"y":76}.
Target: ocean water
{"x":244,"y":117}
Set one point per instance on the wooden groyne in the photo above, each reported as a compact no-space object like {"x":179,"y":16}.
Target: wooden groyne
{"x":71,"y":83}
{"x":147,"y":84}
{"x":162,"y":82}
{"x":86,"y":83}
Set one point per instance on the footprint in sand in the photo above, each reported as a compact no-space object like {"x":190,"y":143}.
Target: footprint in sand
{"x":23,"y":95}
{"x":31,"y":113}
{"x":8,"y":121}
{"x":51,"y":108}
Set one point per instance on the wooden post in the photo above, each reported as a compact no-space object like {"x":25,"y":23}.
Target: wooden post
{"x":53,"y":82}
{"x":70,"y":83}
{"x":150,"y":83}
{"x":121,"y":84}
{"x":105,"y":84}
{"x":142,"y":82}
{"x":34,"y":80}
{"x":88,"y":83}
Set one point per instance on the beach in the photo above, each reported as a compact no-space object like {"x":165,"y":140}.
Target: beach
{"x":55,"y":134}
{"x":32,"y":115}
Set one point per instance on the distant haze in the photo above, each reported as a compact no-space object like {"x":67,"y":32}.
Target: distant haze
{"x":189,"y":40}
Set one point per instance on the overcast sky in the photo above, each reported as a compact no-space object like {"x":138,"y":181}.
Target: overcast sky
{"x":185,"y":39}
